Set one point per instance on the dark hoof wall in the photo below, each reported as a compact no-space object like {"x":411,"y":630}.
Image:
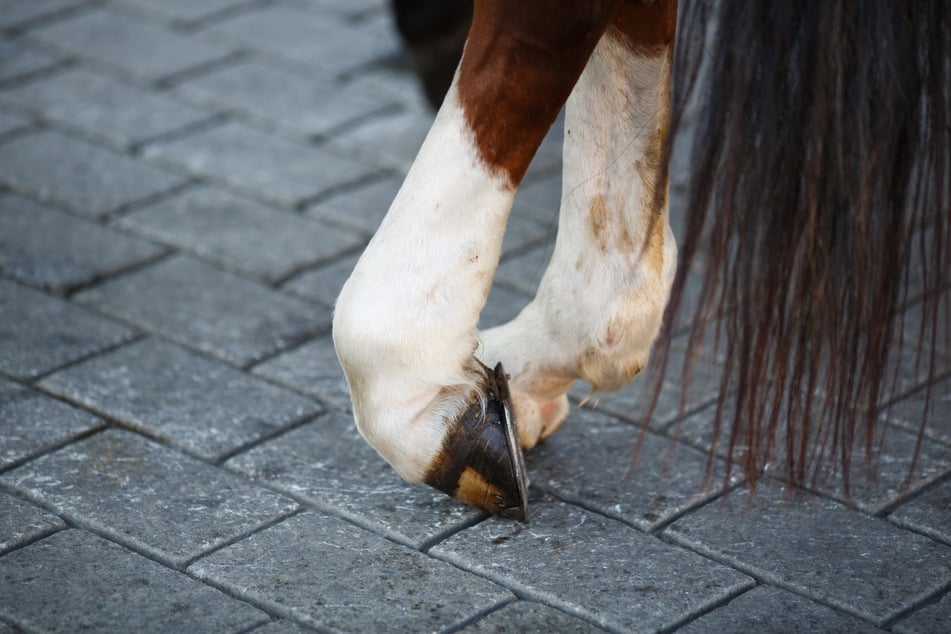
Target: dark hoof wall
{"x":481,"y":461}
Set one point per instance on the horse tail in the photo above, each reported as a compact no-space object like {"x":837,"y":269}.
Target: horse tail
{"x":817,"y":205}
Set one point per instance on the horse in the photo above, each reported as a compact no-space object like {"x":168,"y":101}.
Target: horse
{"x":820,"y":179}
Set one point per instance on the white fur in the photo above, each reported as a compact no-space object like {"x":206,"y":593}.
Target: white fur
{"x":597,"y":310}
{"x":405,"y":322}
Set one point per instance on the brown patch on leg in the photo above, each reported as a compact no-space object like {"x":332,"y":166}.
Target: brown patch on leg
{"x":598,"y":222}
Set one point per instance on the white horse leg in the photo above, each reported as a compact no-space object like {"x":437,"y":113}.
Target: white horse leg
{"x":600,"y":302}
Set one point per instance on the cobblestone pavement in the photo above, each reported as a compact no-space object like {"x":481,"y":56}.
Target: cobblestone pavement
{"x":184,"y":185}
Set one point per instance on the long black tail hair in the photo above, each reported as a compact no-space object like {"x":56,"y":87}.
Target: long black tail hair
{"x":818,"y":207}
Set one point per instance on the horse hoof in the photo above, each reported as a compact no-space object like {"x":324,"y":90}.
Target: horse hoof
{"x":481,"y":460}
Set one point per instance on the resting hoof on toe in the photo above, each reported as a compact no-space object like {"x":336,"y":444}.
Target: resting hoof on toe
{"x":481,"y":460}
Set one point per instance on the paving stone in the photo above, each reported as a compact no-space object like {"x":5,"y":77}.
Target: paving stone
{"x":525,"y":616}
{"x":594,"y":462}
{"x":361,"y":207}
{"x":323,"y":284}
{"x":297,"y":102}
{"x":262,"y":164}
{"x":101,"y":106}
{"x":205,"y":407}
{"x":394,"y":139}
{"x":929,"y":513}
{"x":820,"y":549}
{"x":241,"y":234}
{"x":18,"y":13}
{"x":145,"y":50}
{"x":31,"y":423}
{"x":18,"y":60}
{"x":311,"y":368}
{"x":204,"y":308}
{"x":540,"y":198}
{"x":306,"y":36}
{"x":10,"y":122}
{"x":567,"y":557}
{"x":21,"y":522}
{"x":281,"y":626}
{"x":149,"y":497}
{"x":501,"y":306}
{"x":79,"y":175}
{"x":933,"y":617}
{"x":328,"y":464}
{"x":39,"y":333}
{"x":768,"y":609}
{"x":74,"y":580}
{"x":325,"y":572}
{"x":909,"y":412}
{"x":184,"y":10}
{"x":523,"y":272}
{"x":47,"y":248}
{"x":393,"y":82}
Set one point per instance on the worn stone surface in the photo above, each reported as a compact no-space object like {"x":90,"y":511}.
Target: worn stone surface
{"x":22,"y":522}
{"x":153,"y":499}
{"x":18,"y":60}
{"x":393,"y":140}
{"x":18,"y":14}
{"x":325,"y":572}
{"x":46,"y":248}
{"x":205,"y":407}
{"x":323,"y":283}
{"x":567,"y":557}
{"x":932,"y":617}
{"x":311,"y":368}
{"x":240,"y":234}
{"x":526,"y":616}
{"x":78,"y":175}
{"x":10,"y":122}
{"x":820,"y":549}
{"x":361,"y":207}
{"x":208,"y":309}
{"x":909,"y":412}
{"x":39,"y":591}
{"x":928,"y":513}
{"x":31,"y":422}
{"x":329,"y":465}
{"x":184,"y":10}
{"x":39,"y":333}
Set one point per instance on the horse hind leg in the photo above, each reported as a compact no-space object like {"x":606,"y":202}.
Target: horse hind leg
{"x":601,"y":300}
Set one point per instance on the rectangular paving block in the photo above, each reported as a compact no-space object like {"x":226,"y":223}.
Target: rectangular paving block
{"x":501,"y":306}
{"x":297,"y":102}
{"x":909,"y":412}
{"x":46,"y":248}
{"x":328,"y":464}
{"x":116,"y":39}
{"x":312,"y":368}
{"x":39,"y":333}
{"x":928,"y":513}
{"x":241,"y":234}
{"x":523,"y":272}
{"x":78,"y":175}
{"x":932,"y":617}
{"x":527,"y":616}
{"x":185,"y":10}
{"x":594,"y":567}
{"x":193,"y":303}
{"x":10,"y":122}
{"x":361,"y":207}
{"x":820,"y":549}
{"x":98,"y":105}
{"x":323,"y":283}
{"x":317,"y":38}
{"x":18,"y":59}
{"x":31,"y":422}
{"x":17,"y":14}
{"x":769,"y":609}
{"x":22,"y":522}
{"x":262,"y":164}
{"x":146,"y":496}
{"x":205,"y":407}
{"x":74,"y":580}
{"x":597,"y":463}
{"x":326,"y":573}
{"x":393,"y":139}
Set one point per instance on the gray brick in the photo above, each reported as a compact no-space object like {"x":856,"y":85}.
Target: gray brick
{"x":361,"y":207}
{"x":184,"y":10}
{"x":145,"y":50}
{"x":153,"y":499}
{"x":19,"y":13}
{"x":10,"y":122}
{"x":932,"y":618}
{"x":296,"y":102}
{"x":21,"y":522}
{"x":594,"y":462}
{"x":39,"y":333}
{"x":567,"y":557}
{"x":501,"y":306}
{"x":47,"y":248}
{"x":205,"y":407}
{"x":929,"y":513}
{"x":393,"y":139}
{"x":525,"y":616}
{"x":309,"y":37}
{"x":79,"y":175}
{"x":312,"y":368}
{"x":18,"y":60}
{"x":820,"y":549}
{"x":204,"y":308}
{"x":262,"y":164}
{"x":323,"y":283}
{"x":31,"y":422}
{"x":523,"y":272}
{"x":909,"y":412}
{"x":328,"y":464}
{"x":281,"y":626}
{"x":325,"y":572}
{"x":75,"y":580}
{"x":98,"y":105}
{"x":768,"y":609}
{"x":241,"y":234}
{"x":541,"y":198}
